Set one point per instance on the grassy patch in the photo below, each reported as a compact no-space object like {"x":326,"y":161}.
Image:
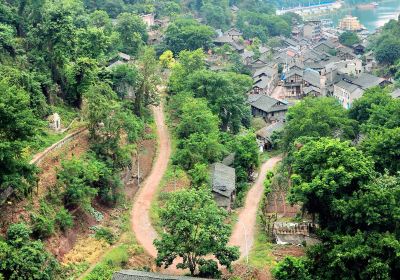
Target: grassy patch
{"x":260,"y":254}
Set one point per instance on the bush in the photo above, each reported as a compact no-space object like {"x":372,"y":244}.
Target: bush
{"x":103,"y":271}
{"x":64,"y":219}
{"x":105,"y":234}
{"x":42,"y":226}
{"x":291,"y":269}
{"x":43,"y":223}
{"x":18,"y":234}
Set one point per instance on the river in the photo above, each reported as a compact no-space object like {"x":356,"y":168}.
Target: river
{"x":370,"y":18}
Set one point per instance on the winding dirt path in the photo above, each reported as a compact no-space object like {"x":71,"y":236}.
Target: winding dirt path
{"x":140,"y":215}
{"x":245,"y":228}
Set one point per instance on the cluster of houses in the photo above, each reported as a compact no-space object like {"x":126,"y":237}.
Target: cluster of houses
{"x":312,"y":62}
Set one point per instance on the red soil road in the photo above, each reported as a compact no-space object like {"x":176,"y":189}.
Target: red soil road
{"x":140,"y":216}
{"x":245,"y":227}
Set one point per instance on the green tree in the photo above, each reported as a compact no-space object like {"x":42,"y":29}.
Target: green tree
{"x":147,"y":93}
{"x":349,"y":38}
{"x":200,"y":175}
{"x":388,"y":50}
{"x":187,"y":34}
{"x":325,"y":170}
{"x":317,"y":117}
{"x":291,"y":268}
{"x":384,"y":147}
{"x":361,"y":108}
{"x":188,"y":63}
{"x":78,"y":178}
{"x":196,"y":117}
{"x":246,"y":156}
{"x":132,"y":32}
{"x":194,"y":228}
{"x":21,"y":258}
{"x":18,"y":125}
{"x":227,"y":96}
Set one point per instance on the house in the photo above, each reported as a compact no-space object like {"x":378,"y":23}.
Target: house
{"x":311,"y":78}
{"x":228,"y":40}
{"x":312,"y":30}
{"x":223,"y":184}
{"x":148,"y":19}
{"x":119,"y":59}
{"x":234,"y":33}
{"x":348,"y":89}
{"x":265,"y":80}
{"x":358,"y":49}
{"x":264,"y":135}
{"x":293,"y":81}
{"x":345,"y":53}
{"x":326,"y":46}
{"x":247,"y":56}
{"x":144,"y":275}
{"x":270,"y":109}
{"x":54,"y":122}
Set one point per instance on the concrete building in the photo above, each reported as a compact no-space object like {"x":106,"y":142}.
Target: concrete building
{"x":312,"y":30}
{"x":350,"y":23}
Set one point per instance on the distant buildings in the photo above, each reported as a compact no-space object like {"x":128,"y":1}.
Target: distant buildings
{"x":350,"y":23}
{"x":312,"y":30}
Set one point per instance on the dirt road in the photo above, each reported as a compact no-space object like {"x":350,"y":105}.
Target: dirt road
{"x":140,"y":218}
{"x":245,"y":228}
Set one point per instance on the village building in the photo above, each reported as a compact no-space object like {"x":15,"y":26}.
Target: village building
{"x":350,"y":23}
{"x":268,"y":108}
{"x":223,"y":184}
{"x":54,"y":122}
{"x":265,"y":80}
{"x":312,"y":30}
{"x":148,"y":19}
{"x":119,"y":59}
{"x":264,"y":135}
{"x":349,"y":89}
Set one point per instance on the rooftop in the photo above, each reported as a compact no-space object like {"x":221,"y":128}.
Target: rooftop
{"x":223,"y":179}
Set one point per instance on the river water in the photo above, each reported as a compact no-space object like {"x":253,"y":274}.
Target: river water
{"x":370,"y":18}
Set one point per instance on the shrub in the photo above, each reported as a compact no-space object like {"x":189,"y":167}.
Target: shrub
{"x":42,"y":225}
{"x":64,"y":219}
{"x":105,"y":234}
{"x":18,"y":234}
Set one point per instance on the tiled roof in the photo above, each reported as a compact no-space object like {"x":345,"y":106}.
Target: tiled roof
{"x":223,"y":179}
{"x":266,"y":103}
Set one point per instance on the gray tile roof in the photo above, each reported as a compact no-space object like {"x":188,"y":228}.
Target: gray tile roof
{"x":312,"y":77}
{"x":143,"y":275}
{"x":366,"y":80}
{"x":262,"y":82}
{"x":266,"y":103}
{"x":347,"y":86}
{"x":267,"y":131}
{"x":267,"y":71}
{"x":223,"y":179}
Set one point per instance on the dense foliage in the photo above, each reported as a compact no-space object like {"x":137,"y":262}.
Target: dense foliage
{"x":195,"y":228}
{"x":351,"y":189}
